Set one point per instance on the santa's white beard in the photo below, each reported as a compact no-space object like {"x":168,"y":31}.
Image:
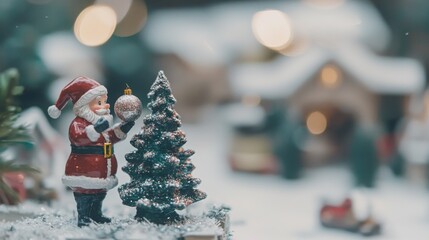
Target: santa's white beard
{"x":86,"y":113}
{"x":102,"y":111}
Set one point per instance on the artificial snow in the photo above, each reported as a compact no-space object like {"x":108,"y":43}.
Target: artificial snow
{"x":48,"y":223}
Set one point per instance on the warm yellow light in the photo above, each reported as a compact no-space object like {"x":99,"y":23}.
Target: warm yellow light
{"x":272,"y":29}
{"x":134,"y":21}
{"x":330,"y":76}
{"x":95,"y":25}
{"x":316,"y":123}
{"x":251,"y":100}
{"x":121,"y":7}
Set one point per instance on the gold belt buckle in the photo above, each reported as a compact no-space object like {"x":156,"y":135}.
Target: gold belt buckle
{"x":107,"y":150}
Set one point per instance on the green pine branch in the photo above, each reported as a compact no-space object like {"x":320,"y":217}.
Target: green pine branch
{"x":10,"y":133}
{"x":9,"y":110}
{"x":7,"y":194}
{"x":11,"y":166}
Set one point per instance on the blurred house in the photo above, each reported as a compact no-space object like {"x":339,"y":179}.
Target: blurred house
{"x":331,"y":90}
{"x":327,"y":74}
{"x":334,"y":85}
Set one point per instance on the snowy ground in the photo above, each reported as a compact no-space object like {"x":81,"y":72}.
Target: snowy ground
{"x":269,"y":207}
{"x":61,"y":224}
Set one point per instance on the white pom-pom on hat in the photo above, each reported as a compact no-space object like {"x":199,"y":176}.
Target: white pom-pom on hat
{"x":54,"y":112}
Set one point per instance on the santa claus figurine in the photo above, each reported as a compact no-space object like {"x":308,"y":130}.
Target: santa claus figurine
{"x":91,"y":167}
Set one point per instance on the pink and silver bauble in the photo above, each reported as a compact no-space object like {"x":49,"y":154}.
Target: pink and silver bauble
{"x":128,"y":107}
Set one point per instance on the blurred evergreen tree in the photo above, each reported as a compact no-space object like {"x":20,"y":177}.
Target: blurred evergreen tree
{"x":288,"y":151}
{"x":363,"y":157}
{"x":397,"y":164}
{"x":275,"y":118}
{"x":10,"y":133}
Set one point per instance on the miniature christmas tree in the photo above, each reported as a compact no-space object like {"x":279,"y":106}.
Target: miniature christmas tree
{"x":287,"y":149}
{"x":10,"y":133}
{"x":160,"y":169}
{"x":363,"y":157}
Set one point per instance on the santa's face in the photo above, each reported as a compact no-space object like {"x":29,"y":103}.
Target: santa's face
{"x":99,"y":105}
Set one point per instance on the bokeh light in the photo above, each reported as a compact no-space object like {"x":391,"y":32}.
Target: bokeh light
{"x":330,"y":76}
{"x":272,"y":29}
{"x":316,"y":123}
{"x":133,"y":21}
{"x":121,"y":7}
{"x":95,"y":25}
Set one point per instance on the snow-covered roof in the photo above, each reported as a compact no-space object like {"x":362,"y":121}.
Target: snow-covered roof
{"x":237,"y":114}
{"x":221,"y":33}
{"x":283,"y":76}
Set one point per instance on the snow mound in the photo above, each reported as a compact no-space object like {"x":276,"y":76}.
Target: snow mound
{"x":48,"y":223}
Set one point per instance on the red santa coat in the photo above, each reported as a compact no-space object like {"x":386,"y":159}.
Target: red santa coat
{"x":90,"y":172}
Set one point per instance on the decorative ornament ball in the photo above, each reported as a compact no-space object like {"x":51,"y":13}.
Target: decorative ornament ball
{"x":128,"y":107}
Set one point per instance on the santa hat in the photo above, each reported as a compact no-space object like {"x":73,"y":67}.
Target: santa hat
{"x":80,"y":91}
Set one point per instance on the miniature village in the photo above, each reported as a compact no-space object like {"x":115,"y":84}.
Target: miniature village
{"x":299,"y":119}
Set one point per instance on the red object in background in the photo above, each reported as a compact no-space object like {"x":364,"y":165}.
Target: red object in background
{"x":338,"y":211}
{"x":386,"y":146}
{"x":342,"y":217}
{"x":15,"y":180}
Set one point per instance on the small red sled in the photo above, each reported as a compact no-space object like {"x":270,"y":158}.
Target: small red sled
{"x":342,"y":217}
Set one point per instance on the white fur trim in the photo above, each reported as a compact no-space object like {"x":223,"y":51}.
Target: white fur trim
{"x":109,"y":166}
{"x":54,"y":112}
{"x":109,"y":118}
{"x":91,"y":133}
{"x":106,"y":136}
{"x":118,"y":132}
{"x":90,"y":95}
{"x":89,"y":182}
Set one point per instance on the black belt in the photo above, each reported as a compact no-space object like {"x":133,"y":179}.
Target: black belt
{"x":99,"y":150}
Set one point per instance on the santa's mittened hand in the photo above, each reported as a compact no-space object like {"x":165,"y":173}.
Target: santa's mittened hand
{"x":126,"y":127}
{"x":101,"y":125}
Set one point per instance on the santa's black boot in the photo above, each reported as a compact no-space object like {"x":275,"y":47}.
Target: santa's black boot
{"x":96,"y":213}
{"x":84,"y":204}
